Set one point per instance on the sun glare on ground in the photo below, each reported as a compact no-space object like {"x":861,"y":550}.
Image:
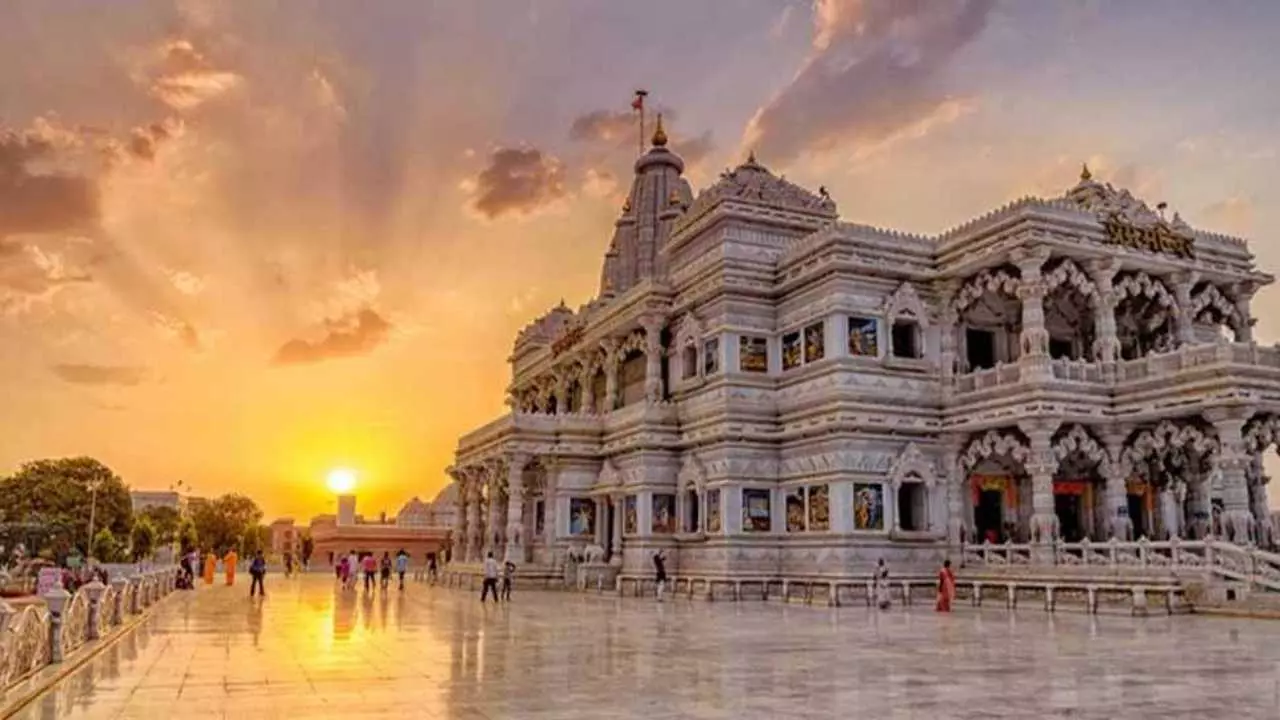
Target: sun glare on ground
{"x":341,"y":480}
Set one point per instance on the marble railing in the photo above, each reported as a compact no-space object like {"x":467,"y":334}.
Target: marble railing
{"x":1259,"y":568}
{"x":1156,"y":365}
{"x":41,"y":634}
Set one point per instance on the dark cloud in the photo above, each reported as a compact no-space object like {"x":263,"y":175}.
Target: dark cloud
{"x":100,"y":374}
{"x":35,"y":198}
{"x":517,"y":181}
{"x":605,"y":126}
{"x":874,"y":70}
{"x":357,"y":334}
{"x":145,"y":140}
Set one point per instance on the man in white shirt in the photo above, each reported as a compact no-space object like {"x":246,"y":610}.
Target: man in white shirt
{"x":490,"y":579}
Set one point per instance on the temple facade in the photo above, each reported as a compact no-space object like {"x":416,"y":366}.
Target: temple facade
{"x":763,"y":389}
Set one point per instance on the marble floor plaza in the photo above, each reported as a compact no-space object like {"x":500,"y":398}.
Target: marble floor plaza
{"x":307,"y":652}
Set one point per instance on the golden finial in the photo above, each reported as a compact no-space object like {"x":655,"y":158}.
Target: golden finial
{"x":1085,"y":175}
{"x":659,"y":135}
{"x":626,"y":206}
{"x":674,"y":198}
{"x":751,"y":157}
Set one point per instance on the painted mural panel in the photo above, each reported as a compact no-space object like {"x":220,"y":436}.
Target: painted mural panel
{"x":868,"y":506}
{"x":862,"y":337}
{"x":814,"y":343}
{"x":819,"y":508}
{"x":795,"y":510}
{"x":664,"y":514}
{"x":713,"y":510}
{"x":582,"y":516}
{"x":791,"y":351}
{"x":711,"y":356}
{"x":753,"y":354}
{"x":756,"y":510}
{"x":629,"y":522}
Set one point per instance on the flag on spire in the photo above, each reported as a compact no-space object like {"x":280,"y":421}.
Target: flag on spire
{"x":637,"y":104}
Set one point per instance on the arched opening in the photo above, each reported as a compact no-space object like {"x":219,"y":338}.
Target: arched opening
{"x":692,"y":510}
{"x":913,"y":504}
{"x":1079,"y":486}
{"x":990,"y":319}
{"x":1069,"y":311}
{"x":1215,"y":316}
{"x":1174,"y":461}
{"x":689,"y":361}
{"x":631,"y":376}
{"x":1000,"y":493}
{"x":598,"y":386}
{"x":1146,"y":315}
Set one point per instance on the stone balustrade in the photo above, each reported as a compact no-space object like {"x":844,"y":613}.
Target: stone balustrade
{"x":1213,"y":557}
{"x":1155,"y":365}
{"x":41,"y":634}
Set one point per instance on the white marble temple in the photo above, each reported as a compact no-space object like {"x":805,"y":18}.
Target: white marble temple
{"x":309,"y":652}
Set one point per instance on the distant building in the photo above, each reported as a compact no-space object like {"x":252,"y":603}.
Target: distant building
{"x":143,"y":499}
{"x":420,"y":529}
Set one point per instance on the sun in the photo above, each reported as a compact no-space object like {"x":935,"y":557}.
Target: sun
{"x":341,"y":480}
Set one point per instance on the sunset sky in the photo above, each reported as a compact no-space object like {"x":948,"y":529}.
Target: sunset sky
{"x":243,"y":242}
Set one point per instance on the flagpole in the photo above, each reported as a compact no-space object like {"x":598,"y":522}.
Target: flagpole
{"x":638,"y":104}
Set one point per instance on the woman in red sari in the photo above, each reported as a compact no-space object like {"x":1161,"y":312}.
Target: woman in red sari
{"x":946,"y":587}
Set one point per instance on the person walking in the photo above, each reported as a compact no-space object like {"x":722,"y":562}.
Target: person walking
{"x":384,"y":570}
{"x":343,"y":571}
{"x":490,"y":579}
{"x":508,"y":575}
{"x":288,"y":564}
{"x":257,"y":571}
{"x":210,"y":567}
{"x":432,"y":568}
{"x":660,"y":573}
{"x":370,"y":572}
{"x":946,"y":587}
{"x":230,"y":566}
{"x":353,"y":565}
{"x":402,"y":566}
{"x":882,"y":585}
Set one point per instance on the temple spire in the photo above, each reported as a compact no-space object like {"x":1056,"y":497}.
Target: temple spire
{"x":659,"y":134}
{"x":1085,"y":175}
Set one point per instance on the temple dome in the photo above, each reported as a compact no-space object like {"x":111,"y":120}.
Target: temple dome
{"x":754,"y":184}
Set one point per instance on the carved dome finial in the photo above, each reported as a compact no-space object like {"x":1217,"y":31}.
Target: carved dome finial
{"x":1085,"y":175}
{"x":659,"y":134}
{"x":751,"y":157}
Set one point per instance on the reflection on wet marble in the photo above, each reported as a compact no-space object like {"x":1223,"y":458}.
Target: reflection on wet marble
{"x":307,"y":651}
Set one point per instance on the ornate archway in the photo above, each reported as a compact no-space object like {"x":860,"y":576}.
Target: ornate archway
{"x":1146,"y":313}
{"x":1175,"y":459}
{"x":1070,"y":305}
{"x":989,"y":317}
{"x":994,"y":499}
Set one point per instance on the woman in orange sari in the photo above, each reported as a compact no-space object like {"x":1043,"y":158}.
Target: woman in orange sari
{"x":210,"y":567}
{"x":946,"y":587}
{"x":230,"y":562}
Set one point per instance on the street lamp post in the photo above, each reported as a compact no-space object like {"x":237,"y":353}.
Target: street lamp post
{"x":93,"y":509}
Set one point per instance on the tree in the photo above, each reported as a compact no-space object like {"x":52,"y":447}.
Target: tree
{"x":222,"y":522}
{"x":143,"y":539}
{"x":188,"y":538}
{"x":165,"y":520}
{"x":57,"y":494}
{"x":105,"y":547}
{"x":255,"y":538}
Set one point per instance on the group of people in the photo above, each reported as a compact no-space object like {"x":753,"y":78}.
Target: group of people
{"x":377,"y":572}
{"x":946,"y":587}
{"x":191,"y":563}
{"x":491,"y":575}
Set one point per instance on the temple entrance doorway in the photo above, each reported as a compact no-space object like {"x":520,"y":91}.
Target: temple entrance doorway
{"x":988,"y":516}
{"x":609,"y":512}
{"x":1072,"y":504}
{"x":1139,"y":503}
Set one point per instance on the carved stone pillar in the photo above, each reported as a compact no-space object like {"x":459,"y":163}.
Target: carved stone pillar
{"x":947,"y":328}
{"x":610,"y":348}
{"x":1115,"y":473}
{"x":601,"y":530}
{"x":497,"y":512}
{"x":459,"y":476}
{"x":1232,"y":461}
{"x":515,"y":507}
{"x":1034,"y":340}
{"x":1243,"y":293}
{"x":1183,"y":284}
{"x":475,"y":537}
{"x":615,"y":549}
{"x":654,"y":390}
{"x":1258,"y":502}
{"x":953,"y":445}
{"x":1041,"y":465}
{"x":560,"y":391}
{"x":587,"y":388}
{"x":1106,"y":344}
